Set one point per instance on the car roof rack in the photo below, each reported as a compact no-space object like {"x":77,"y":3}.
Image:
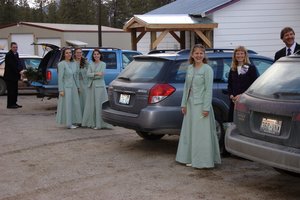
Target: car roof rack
{"x":215,"y":50}
{"x":164,"y":51}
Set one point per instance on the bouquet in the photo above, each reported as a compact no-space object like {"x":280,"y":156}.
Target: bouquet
{"x":31,"y":74}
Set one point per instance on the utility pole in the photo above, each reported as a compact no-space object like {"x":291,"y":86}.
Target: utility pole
{"x":99,"y":24}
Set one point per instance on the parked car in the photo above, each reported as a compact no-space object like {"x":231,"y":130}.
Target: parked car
{"x":116,"y":60}
{"x":28,"y":61}
{"x":2,"y":53}
{"x":267,"y":118}
{"x":146,"y":96}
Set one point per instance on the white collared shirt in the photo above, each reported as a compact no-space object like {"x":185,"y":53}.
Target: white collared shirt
{"x":292,"y":49}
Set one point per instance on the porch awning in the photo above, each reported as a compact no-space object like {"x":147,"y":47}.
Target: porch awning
{"x":76,"y":43}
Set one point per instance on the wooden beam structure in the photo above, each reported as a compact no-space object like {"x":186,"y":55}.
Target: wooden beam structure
{"x":202,"y":27}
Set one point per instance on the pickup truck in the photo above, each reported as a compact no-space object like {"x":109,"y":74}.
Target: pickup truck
{"x":116,"y":60}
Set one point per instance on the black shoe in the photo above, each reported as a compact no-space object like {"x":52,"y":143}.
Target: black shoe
{"x":12,"y":107}
{"x":19,"y":106}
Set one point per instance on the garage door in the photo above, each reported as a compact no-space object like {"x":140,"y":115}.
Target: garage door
{"x":24,"y":42}
{"x":4,"y":44}
{"x":42,"y":51}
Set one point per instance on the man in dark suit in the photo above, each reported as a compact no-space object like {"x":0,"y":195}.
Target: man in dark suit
{"x":287,"y":35}
{"x":12,"y":75}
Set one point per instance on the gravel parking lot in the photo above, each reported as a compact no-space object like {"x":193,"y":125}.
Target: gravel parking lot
{"x":40,"y":160}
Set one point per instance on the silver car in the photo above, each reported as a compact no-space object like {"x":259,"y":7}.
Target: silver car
{"x":266,"y":125}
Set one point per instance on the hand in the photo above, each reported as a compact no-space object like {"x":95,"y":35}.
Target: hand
{"x":99,"y":73}
{"x":62,"y":93}
{"x":183,"y":110}
{"x":205,"y":113}
{"x":234,"y":98}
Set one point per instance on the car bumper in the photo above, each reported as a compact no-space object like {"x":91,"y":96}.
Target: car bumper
{"x":47,"y":92}
{"x":150,"y":119}
{"x":275,"y":155}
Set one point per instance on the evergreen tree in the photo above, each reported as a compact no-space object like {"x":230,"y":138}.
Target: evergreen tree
{"x":52,"y":13}
{"x":114,"y":13}
{"x":8,"y":12}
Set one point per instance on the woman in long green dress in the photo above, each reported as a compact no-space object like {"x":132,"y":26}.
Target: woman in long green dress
{"x":198,"y":143}
{"x":96,"y":95}
{"x":82,"y":64}
{"x":68,"y":108}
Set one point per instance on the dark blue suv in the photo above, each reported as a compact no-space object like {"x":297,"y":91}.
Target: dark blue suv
{"x":146,"y":96}
{"x":116,"y":60}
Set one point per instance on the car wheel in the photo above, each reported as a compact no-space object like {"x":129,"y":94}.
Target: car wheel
{"x":221,"y":137}
{"x":149,"y":136}
{"x":2,"y":87}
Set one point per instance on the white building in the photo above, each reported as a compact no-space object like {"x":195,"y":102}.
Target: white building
{"x":255,"y":24}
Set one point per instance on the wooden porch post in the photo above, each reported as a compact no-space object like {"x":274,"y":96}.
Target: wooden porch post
{"x":153,"y":38}
{"x":182,"y":40}
{"x":133,"y":39}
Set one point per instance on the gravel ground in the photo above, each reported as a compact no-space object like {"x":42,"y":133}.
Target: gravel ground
{"x":43,"y":161}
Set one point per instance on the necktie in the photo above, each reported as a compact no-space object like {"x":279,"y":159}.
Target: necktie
{"x":288,"y":52}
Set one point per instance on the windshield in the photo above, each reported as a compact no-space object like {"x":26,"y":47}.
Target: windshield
{"x":280,"y":81}
{"x":142,"y":70}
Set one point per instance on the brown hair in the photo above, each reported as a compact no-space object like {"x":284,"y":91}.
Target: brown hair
{"x":96,"y":50}
{"x":82,"y":59}
{"x":63,"y":53}
{"x":197,"y":46}
{"x":286,"y":30}
{"x":234,"y":63}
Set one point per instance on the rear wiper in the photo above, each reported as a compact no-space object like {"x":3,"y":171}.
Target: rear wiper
{"x":278,"y":94}
{"x":124,"y":78}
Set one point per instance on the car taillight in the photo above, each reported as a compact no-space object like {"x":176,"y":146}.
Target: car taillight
{"x":296,"y":117}
{"x":48,"y":75}
{"x":159,"y":92}
{"x":240,"y":107}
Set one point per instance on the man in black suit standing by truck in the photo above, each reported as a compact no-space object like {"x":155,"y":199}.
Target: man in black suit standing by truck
{"x":287,"y":35}
{"x":12,"y":75}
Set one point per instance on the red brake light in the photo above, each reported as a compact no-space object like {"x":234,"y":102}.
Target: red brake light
{"x":159,"y":92}
{"x":297,"y":117}
{"x":240,"y":107}
{"x":48,"y":75}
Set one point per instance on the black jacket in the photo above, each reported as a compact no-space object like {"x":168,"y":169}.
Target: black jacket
{"x":282,"y":52}
{"x":238,"y":84}
{"x":12,"y":64}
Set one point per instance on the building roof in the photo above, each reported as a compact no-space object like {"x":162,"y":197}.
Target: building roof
{"x":68,"y":27}
{"x":163,"y":21}
{"x":192,"y":7}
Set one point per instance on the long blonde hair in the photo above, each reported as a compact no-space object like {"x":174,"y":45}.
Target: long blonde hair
{"x":197,"y":46}
{"x":234,"y":63}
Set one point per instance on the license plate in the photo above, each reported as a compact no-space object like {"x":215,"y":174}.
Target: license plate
{"x":271,"y":126}
{"x":124,"y":99}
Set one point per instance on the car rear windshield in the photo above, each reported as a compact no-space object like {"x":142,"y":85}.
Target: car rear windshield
{"x":142,"y":71}
{"x":280,"y":81}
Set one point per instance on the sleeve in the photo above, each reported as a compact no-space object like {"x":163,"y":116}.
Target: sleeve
{"x":253,"y":74}
{"x":230,"y":83}
{"x":76,"y":75}
{"x":185,"y":91}
{"x":102,"y":69}
{"x":61,"y":71}
{"x":90,"y":72}
{"x":208,"y":84}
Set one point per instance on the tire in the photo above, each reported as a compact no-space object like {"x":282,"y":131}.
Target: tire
{"x":221,"y":137}
{"x":2,"y":87}
{"x":149,"y":136}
